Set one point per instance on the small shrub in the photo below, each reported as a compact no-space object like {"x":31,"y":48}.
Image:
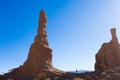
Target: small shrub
{"x":42,"y":76}
{"x":47,"y":79}
{"x":77,"y":78}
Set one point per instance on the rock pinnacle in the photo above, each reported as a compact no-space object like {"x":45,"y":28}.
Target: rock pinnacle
{"x":41,"y":32}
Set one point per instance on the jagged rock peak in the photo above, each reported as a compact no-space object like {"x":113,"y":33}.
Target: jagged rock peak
{"x":109,"y":54}
{"x":41,"y":37}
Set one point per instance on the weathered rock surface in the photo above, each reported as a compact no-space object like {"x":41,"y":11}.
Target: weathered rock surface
{"x":109,"y":54}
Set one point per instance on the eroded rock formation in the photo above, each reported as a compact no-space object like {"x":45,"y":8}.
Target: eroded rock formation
{"x":40,"y":55}
{"x":109,"y":54}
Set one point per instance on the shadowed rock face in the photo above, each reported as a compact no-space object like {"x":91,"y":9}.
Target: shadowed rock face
{"x":109,"y":54}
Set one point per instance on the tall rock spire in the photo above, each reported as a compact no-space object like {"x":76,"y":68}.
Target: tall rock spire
{"x":41,"y":32}
{"x":39,"y":58}
{"x":40,"y":55}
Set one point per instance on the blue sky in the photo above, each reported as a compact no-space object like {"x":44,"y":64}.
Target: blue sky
{"x":76,"y":30}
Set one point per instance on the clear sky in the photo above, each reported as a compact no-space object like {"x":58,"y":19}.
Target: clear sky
{"x":76,"y":30}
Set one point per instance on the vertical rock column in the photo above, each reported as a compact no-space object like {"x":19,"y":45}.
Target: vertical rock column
{"x":40,"y":55}
{"x":41,"y":37}
{"x":114,"y":37}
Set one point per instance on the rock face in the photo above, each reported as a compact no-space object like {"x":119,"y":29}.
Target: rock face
{"x":109,"y":54}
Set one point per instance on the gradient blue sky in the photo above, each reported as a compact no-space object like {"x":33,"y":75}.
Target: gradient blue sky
{"x":76,"y":30}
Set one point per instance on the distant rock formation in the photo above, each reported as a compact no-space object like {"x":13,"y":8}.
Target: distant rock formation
{"x":109,"y":54}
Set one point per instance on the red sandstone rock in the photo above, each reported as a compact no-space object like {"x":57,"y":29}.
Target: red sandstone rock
{"x":109,"y":54}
